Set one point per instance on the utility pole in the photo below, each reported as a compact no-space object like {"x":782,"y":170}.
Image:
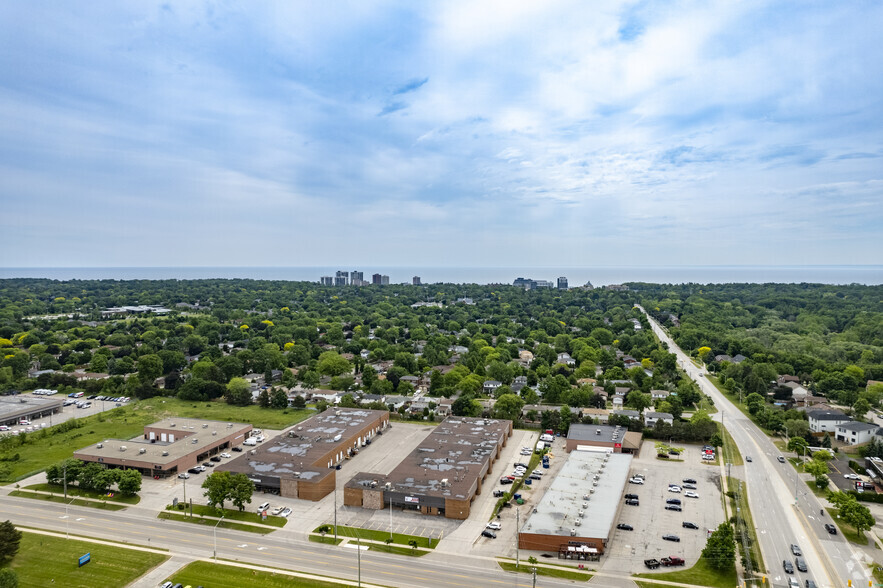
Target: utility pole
{"x":517,"y":525}
{"x":215,"y":536}
{"x":335,"y":510}
{"x":390,"y":518}
{"x":534,"y":570}
{"x":359,"y":550}
{"x":65,"y":480}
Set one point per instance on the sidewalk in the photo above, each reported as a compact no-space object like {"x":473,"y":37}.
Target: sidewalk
{"x":158,"y":575}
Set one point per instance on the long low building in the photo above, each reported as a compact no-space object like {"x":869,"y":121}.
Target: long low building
{"x":442,"y":475}
{"x":301,"y":462}
{"x":167,"y":447}
{"x":618,"y":439}
{"x":579,"y":508}
{"x":15,"y":408}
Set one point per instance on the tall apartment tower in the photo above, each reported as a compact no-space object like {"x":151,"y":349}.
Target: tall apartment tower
{"x":326,"y":281}
{"x":562,"y":283}
{"x":384,"y":280}
{"x":376,"y":279}
{"x":415,"y":281}
{"x":356,"y":278}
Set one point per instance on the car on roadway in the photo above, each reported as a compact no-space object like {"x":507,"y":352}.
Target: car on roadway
{"x":811,"y":584}
{"x":494,"y":526}
{"x":830,"y":528}
{"x":691,"y":494}
{"x":852,"y":476}
{"x":624,"y":527}
{"x":689,"y":525}
{"x":674,"y":538}
{"x":793,"y":583}
{"x":800,"y":563}
{"x":183,"y":475}
{"x":795,"y":549}
{"x":748,"y":458}
{"x":489,"y":534}
{"x":789,"y":567}
{"x":781,"y":459}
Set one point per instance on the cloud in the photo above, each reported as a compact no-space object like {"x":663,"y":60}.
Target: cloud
{"x":410,"y":86}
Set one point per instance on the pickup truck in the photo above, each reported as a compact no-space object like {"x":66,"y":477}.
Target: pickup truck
{"x":651,"y":563}
{"x":672,"y":561}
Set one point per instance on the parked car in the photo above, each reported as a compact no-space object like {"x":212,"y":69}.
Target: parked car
{"x":631,"y":496}
{"x":789,"y":567}
{"x":208,"y":464}
{"x":225,"y":454}
{"x":632,"y":502}
{"x":674,"y":507}
{"x":636,"y":480}
{"x":505,"y":481}
{"x":675,"y":489}
{"x":831,"y":528}
{"x":624,"y":527}
{"x":673,"y":501}
{"x":689,"y":525}
{"x":488,"y":533}
{"x":691,"y":494}
{"x":215,"y":458}
{"x":277,"y":511}
{"x":852,"y":476}
{"x":194,"y":471}
{"x":285,"y":512}
{"x":795,"y":549}
{"x":521,"y":465}
{"x":183,"y":475}
{"x":689,"y":481}
{"x":494,"y":526}
{"x":237,"y":449}
{"x":674,"y":538}
{"x":672,"y":561}
{"x":689,"y":486}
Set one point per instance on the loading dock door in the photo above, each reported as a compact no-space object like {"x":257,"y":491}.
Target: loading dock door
{"x":163,"y":437}
{"x":152,"y":436}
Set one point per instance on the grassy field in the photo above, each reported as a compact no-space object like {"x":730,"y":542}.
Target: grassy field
{"x":74,"y":491}
{"x":353,"y":532}
{"x":527,"y":568}
{"x":230,"y":514}
{"x":72,"y":501}
{"x":212,"y":522}
{"x":218,"y":575}
{"x":110,"y":567}
{"x":700,"y":574}
{"x":36,"y":451}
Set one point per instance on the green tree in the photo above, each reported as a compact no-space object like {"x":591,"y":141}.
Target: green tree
{"x":818,"y":469}
{"x":466,"y":405}
{"x":264,"y":399}
{"x":238,"y":392}
{"x":860,"y":409}
{"x":149,"y":367}
{"x":755,"y":402}
{"x":797,"y":445}
{"x":299,"y":402}
{"x":857,"y":515}
{"x":129,"y":482}
{"x":720,"y":548}
{"x":10,"y":537}
{"x":508,"y":406}
{"x":241,"y":490}
{"x":565,"y":418}
{"x":8,"y":578}
{"x":332,"y":364}
{"x":217,"y":488}
{"x":638,"y":400}
{"x":278,"y":399}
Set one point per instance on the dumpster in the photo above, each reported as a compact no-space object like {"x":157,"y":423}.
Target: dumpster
{"x":520,"y":501}
{"x":516,"y":496}
{"x":528,"y":481}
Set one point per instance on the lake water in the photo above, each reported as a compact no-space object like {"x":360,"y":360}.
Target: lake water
{"x":577,"y":276}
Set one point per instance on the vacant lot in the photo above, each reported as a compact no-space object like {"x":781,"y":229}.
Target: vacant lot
{"x":110,"y":567}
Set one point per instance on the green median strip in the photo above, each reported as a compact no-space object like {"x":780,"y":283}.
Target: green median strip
{"x":379,"y":536}
{"x":527,"y":568}
{"x":329,"y":540}
{"x":71,"y":501}
{"x":212,"y":522}
{"x":74,"y":491}
{"x":699,"y":575}
{"x":228,"y":514}
{"x":219,"y":575}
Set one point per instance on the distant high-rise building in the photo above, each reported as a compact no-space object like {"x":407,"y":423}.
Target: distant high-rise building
{"x":384,"y":280}
{"x":376,"y":279}
{"x":415,"y":280}
{"x":356,"y":276}
{"x":341,"y":278}
{"x":562,"y":283}
{"x":543,"y":284}
{"x":326,"y":281}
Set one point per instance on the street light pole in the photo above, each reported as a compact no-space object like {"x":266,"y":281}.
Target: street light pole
{"x":215,"y":537}
{"x":359,"y":546}
{"x":517,"y":525}
{"x":335,"y":510}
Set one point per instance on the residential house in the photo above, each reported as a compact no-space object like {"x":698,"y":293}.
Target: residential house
{"x":444,"y":407}
{"x":413,"y":380}
{"x":525,"y":356}
{"x":366,"y":399}
{"x":722,"y":358}
{"x":566,"y":359}
{"x":490,"y":387}
{"x":799,"y":393}
{"x":738,"y":358}
{"x":855,"y":433}
{"x":826,"y":421}
{"x":602,"y":414}
{"x":396,"y":402}
{"x":659,"y":394}
{"x":621,"y":391}
{"x":784,"y":380}
{"x":417,"y":406}
{"x":617,"y":402}
{"x":519,"y":383}
{"x":632,"y":414}
{"x":364,"y":354}
{"x":329,"y":396}
{"x":651,"y":418}
{"x":586,"y":382}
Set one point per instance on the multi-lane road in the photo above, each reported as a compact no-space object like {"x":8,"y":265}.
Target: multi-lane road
{"x":780,"y":520}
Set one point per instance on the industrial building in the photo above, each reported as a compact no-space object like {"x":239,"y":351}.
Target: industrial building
{"x":442,"y":475}
{"x":167,"y":447}
{"x":618,"y":439}
{"x":301,"y":462}
{"x":15,"y":408}
{"x":579,"y":508}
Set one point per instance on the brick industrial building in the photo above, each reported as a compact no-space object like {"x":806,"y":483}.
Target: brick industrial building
{"x":300,"y":463}
{"x":442,"y":475}
{"x":15,"y":408}
{"x":617,"y":439}
{"x":168,"y":447}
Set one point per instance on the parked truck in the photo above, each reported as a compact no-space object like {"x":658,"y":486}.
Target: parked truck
{"x":672,"y":561}
{"x":651,"y":563}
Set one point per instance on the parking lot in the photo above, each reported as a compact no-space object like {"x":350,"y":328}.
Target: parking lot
{"x":627,"y":549}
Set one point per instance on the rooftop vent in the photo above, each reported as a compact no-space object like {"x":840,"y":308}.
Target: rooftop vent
{"x":578,"y":522}
{"x":171,"y":424}
{"x":142,"y":450}
{"x":100,"y":445}
{"x":122,"y":447}
{"x":195,"y":441}
{"x":445,"y":483}
{"x":581,"y":513}
{"x":204,"y":426}
{"x":214,"y":433}
{"x":597,"y":431}
{"x":165,"y":453}
{"x":585,"y":496}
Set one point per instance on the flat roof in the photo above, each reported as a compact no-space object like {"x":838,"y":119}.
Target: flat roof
{"x":456,"y":451}
{"x":191,"y":435}
{"x":294,"y":454}
{"x":599,"y":433}
{"x":576,"y":489}
{"x":12,"y":405}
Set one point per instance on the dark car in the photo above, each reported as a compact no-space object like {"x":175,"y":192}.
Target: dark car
{"x":505,"y":481}
{"x":795,"y":550}
{"x":632,"y":502}
{"x":674,"y":507}
{"x":811,"y":584}
{"x":499,"y":493}
{"x":673,"y":501}
{"x":748,"y":458}
{"x":831,"y":528}
{"x":789,"y":567}
{"x":689,"y":481}
{"x":237,"y":449}
{"x":215,"y":458}
{"x":195,"y":471}
{"x":208,"y":464}
{"x":488,"y":533}
{"x":624,"y":527}
{"x":800,"y":563}
{"x":631,"y":496}
{"x":674,"y":538}
{"x":521,"y":465}
{"x":689,"y":525}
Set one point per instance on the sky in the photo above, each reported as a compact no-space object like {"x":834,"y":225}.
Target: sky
{"x":440,"y":133}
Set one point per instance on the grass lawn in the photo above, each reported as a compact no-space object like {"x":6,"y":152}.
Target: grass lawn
{"x":212,"y":522}
{"x":73,"y":501}
{"x":409,"y":551}
{"x":527,"y":568}
{"x":700,"y":574}
{"x":328,"y":539}
{"x":218,"y":575}
{"x":353,"y":532}
{"x":230,"y":514}
{"x":730,"y":451}
{"x":847,"y":530}
{"x":74,"y":491}
{"x":44,"y":448}
{"x":654,"y":585}
{"x":52,"y":561}
{"x":820,"y":492}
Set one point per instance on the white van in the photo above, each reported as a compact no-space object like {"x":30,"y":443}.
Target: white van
{"x":250,"y":441}
{"x":263,"y":507}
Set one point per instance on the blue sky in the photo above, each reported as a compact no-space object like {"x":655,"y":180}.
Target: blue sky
{"x":441,"y":133}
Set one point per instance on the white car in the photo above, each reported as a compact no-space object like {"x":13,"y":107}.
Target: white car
{"x":225,"y":454}
{"x":852,"y":476}
{"x":259,"y":438}
{"x":636,"y":480}
{"x":495,"y":526}
{"x":184,"y":476}
{"x":285,"y":512}
{"x":277,"y":511}
{"x":690,"y":494}
{"x":675,"y":489}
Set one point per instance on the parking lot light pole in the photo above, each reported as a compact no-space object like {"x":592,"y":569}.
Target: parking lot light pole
{"x":215,"y":537}
{"x":335,"y":510}
{"x":517,"y":523}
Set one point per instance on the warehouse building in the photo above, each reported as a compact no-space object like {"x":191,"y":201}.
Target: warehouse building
{"x":301,"y":462}
{"x":577,"y":512}
{"x":442,"y":475}
{"x":617,"y":439}
{"x":13,"y":409}
{"x":167,"y":447}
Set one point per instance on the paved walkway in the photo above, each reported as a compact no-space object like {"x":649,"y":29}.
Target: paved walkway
{"x":160,"y":573}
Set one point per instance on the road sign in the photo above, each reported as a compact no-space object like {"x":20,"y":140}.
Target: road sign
{"x":84,"y":559}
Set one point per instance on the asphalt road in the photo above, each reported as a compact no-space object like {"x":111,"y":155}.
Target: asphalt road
{"x":275,"y":550}
{"x":780,"y":521}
